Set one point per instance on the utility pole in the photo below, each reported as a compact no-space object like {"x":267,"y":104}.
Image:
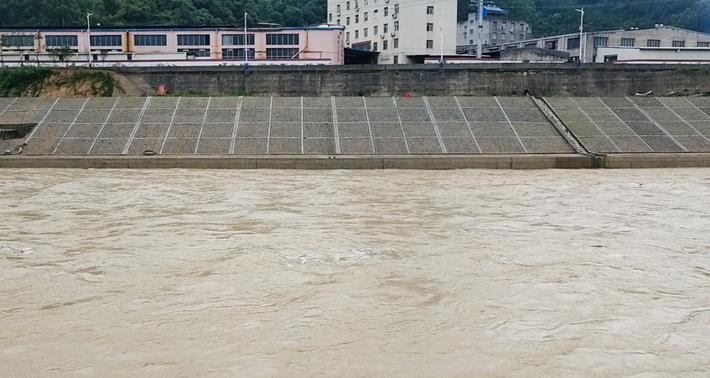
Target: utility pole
{"x":441,"y":37}
{"x":88,"y":32}
{"x":246,"y":39}
{"x":581,"y":35}
{"x":479,"y":48}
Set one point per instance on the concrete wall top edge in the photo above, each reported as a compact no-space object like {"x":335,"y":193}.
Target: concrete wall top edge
{"x":423,"y":67}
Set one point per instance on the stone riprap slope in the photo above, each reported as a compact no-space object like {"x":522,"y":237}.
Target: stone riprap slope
{"x":282,"y":126}
{"x":637,"y":124}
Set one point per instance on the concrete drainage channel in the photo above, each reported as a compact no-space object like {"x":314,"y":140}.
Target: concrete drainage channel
{"x":439,"y":132}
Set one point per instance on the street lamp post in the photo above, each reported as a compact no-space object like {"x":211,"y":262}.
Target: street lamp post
{"x":581,"y":35}
{"x":246,"y":39}
{"x":441,"y":38}
{"x":88,"y":32}
{"x":479,"y":47}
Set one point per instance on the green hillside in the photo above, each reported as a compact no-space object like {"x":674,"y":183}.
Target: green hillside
{"x":547,"y":16}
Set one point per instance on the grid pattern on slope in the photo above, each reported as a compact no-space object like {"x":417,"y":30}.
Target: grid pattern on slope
{"x":495,"y":125}
{"x":638,"y":124}
{"x":296,"y":125}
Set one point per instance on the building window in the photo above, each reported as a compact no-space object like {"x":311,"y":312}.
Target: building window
{"x":337,"y":9}
{"x":385,"y":28}
{"x":386,"y":11}
{"x":374,"y":30}
{"x":430,"y":9}
{"x":193,"y":40}
{"x":601,"y":41}
{"x":364,"y":17}
{"x":384,"y":45}
{"x":572,"y":43}
{"x":374,"y":46}
{"x":18,"y":40}
{"x":347,"y":37}
{"x":430,"y":43}
{"x":357,"y":18}
{"x":364,"y":32}
{"x":396,"y":26}
{"x":150,"y":40}
{"x":396,"y":59}
{"x":396,"y":9}
{"x":62,"y":40}
{"x":628,"y":42}
{"x":237,"y":39}
{"x":357,"y":34}
{"x":653,"y":43}
{"x":106,"y":40}
{"x":237,"y":54}
{"x":429,"y":27}
{"x":521,"y":37}
{"x":281,"y":53}
{"x":703,"y":44}
{"x":494,"y":37}
{"x":347,"y":6}
{"x":375,"y":14}
{"x":395,"y":43}
{"x":347,"y":21}
{"x":282,"y":39}
{"x":678,"y":43}
{"x":202,"y":53}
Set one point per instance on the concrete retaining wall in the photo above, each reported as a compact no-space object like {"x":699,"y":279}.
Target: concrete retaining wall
{"x":431,"y":80}
{"x":431,"y":162}
{"x":424,"y":162}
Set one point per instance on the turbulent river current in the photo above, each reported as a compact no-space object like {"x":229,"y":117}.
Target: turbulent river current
{"x":354,"y":273}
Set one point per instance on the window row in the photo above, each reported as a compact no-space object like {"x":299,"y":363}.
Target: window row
{"x":237,"y":39}
{"x":61,"y":40}
{"x":282,"y":39}
{"x":18,"y":40}
{"x":106,"y":40}
{"x":193,"y":40}
{"x":237,"y":54}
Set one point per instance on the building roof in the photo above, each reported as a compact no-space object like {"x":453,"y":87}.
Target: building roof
{"x":167,"y":29}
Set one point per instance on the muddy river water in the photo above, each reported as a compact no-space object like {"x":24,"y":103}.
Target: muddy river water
{"x":354,"y":273}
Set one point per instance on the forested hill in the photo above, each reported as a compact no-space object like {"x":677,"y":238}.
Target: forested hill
{"x":547,"y":16}
{"x":559,"y":16}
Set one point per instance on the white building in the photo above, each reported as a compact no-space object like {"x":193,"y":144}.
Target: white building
{"x":653,"y":55}
{"x":497,"y":29}
{"x":400,"y":31}
{"x":659,"y":36}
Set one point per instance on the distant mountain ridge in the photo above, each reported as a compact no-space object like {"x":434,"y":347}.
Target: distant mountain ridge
{"x":546,"y":16}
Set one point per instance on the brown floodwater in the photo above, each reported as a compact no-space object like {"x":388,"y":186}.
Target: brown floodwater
{"x":354,"y":273}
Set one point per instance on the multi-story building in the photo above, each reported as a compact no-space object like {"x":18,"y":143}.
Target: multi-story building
{"x":497,"y":29}
{"x":658,"y":37}
{"x":398,"y":31}
{"x":321,"y":44}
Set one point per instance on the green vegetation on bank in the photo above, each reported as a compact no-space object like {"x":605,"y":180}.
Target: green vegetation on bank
{"x":36,"y":81}
{"x":546,"y":16}
{"x":25,"y":81}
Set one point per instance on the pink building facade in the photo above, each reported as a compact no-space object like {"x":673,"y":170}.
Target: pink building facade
{"x":323,"y":44}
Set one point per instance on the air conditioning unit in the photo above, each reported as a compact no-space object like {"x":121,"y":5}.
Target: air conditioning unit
{"x":392,"y":35}
{"x":394,"y":15}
